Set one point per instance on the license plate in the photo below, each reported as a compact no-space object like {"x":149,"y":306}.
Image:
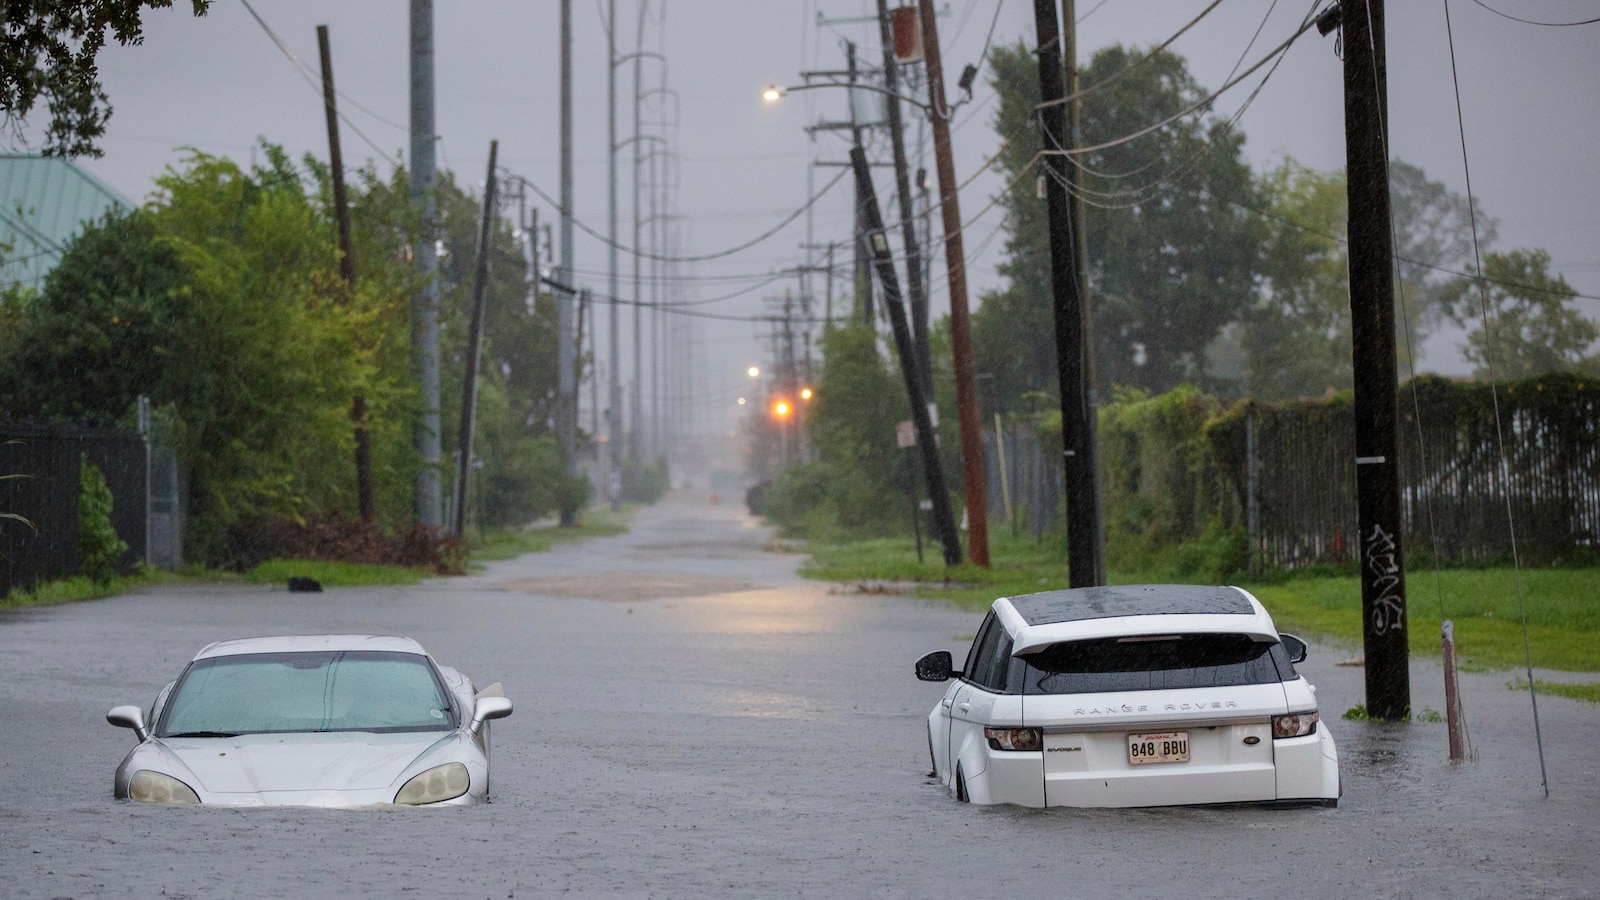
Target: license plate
{"x":1167,"y":747}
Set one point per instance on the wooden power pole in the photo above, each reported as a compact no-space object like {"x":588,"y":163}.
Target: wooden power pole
{"x":469,"y":383}
{"x":1077,"y":416}
{"x":974,"y":480}
{"x":347,"y":269}
{"x":1383,"y":586}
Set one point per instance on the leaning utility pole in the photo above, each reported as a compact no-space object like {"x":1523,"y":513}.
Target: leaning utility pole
{"x":908,"y":217}
{"x":1377,"y":383}
{"x":347,"y":269}
{"x":566,"y":351}
{"x":425,"y":305}
{"x":955,"y":264}
{"x":469,"y":383}
{"x":878,"y":242}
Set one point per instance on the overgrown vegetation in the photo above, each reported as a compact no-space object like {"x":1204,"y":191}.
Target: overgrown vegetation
{"x":221,"y":300}
{"x":99,"y":548}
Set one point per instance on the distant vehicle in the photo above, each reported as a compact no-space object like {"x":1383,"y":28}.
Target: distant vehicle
{"x":320,"y":720}
{"x":1144,"y":695}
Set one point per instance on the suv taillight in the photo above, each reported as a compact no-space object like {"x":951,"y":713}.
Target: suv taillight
{"x":1015,"y":739}
{"x":1297,"y":724}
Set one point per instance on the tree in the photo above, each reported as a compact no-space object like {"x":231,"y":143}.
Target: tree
{"x":1172,"y":245}
{"x":1295,"y":341}
{"x":49,"y":51}
{"x":1531,"y":327}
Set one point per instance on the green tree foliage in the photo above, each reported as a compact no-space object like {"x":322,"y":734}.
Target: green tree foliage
{"x":1531,"y":328}
{"x":99,"y":547}
{"x":857,"y":482}
{"x":1296,"y":340}
{"x":1172,"y":245}
{"x":48,"y":51}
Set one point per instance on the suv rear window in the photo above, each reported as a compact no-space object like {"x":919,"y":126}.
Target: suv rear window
{"x":1154,"y":663}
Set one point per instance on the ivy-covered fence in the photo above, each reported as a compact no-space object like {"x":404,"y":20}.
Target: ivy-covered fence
{"x":1291,"y":470}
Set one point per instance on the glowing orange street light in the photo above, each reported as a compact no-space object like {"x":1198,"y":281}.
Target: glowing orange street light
{"x":781,"y":409}
{"x":805,"y":393}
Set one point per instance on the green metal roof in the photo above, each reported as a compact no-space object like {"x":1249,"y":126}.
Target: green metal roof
{"x":44,"y":202}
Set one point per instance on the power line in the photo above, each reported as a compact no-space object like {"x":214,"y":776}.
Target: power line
{"x":1532,"y":22}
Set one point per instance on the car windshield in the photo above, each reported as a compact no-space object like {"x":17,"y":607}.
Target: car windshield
{"x":261,"y":693}
{"x":1156,"y":662}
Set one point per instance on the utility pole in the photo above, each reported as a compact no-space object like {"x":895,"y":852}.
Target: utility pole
{"x":425,"y":304}
{"x":638,"y":357}
{"x":1080,"y":248}
{"x":566,"y":351}
{"x":614,"y":395}
{"x":1076,"y":414}
{"x":921,"y":420}
{"x":863,"y":272}
{"x":908,"y":219}
{"x":469,"y":383}
{"x":1383,"y":586}
{"x":347,"y":269}
{"x":955,"y":263}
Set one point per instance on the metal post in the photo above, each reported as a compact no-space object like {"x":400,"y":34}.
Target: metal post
{"x":566,"y":351}
{"x":614,"y":394}
{"x":1383,"y":588}
{"x":955,"y":262}
{"x":425,"y":434}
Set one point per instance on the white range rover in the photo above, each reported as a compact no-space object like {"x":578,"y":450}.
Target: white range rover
{"x":1136,"y":695}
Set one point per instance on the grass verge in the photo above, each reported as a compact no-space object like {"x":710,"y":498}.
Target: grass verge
{"x":71,"y":590}
{"x":1589,"y":692}
{"x":335,"y":574}
{"x":1563,"y":620}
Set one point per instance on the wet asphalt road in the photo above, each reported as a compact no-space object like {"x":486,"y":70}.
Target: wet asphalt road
{"x":692,"y":719}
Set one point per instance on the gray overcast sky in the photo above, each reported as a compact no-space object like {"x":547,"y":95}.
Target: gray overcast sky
{"x":1530,"y":103}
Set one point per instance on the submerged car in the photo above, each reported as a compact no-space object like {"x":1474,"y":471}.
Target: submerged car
{"x":1142,"y":695}
{"x":315,"y":720}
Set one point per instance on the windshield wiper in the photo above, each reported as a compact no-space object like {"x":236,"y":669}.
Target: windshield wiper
{"x":203,"y":734}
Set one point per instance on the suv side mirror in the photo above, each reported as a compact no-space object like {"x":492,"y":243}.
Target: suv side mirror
{"x":1295,"y":647}
{"x":936,"y":666}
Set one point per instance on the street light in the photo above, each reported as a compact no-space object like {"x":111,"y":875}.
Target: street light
{"x":754,"y":371}
{"x":773,"y":93}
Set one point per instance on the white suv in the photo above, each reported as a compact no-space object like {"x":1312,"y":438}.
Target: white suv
{"x":1138,"y":695}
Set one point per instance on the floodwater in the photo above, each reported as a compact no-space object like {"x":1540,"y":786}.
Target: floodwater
{"x":693,"y":719}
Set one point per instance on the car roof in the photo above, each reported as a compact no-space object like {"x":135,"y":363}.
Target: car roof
{"x":1037,"y":620}
{"x":306,"y":643}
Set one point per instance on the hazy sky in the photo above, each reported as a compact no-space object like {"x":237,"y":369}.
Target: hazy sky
{"x":1530,"y":100}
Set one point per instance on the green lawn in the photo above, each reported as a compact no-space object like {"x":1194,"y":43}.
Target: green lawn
{"x":1563,"y":604}
{"x":504,"y":543}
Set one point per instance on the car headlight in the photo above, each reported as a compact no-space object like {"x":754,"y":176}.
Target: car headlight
{"x":153,"y":787}
{"x":1297,"y":724}
{"x":438,"y":784}
{"x":1015,"y":739}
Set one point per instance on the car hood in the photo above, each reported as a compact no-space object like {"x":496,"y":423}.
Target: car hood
{"x":264,"y":763}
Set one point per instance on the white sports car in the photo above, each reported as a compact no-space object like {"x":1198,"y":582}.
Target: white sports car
{"x":1144,"y":695}
{"x":320,"y":720}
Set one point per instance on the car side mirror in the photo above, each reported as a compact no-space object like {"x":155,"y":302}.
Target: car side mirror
{"x":936,"y":666}
{"x":129,"y":717}
{"x":1295,"y":647}
{"x":489,"y":708}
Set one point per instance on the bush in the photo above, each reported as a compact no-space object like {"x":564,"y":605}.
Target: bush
{"x":250,"y":542}
{"x":573,"y":493}
{"x":99,"y":548}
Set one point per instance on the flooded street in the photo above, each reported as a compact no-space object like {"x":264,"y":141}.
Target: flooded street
{"x":693,"y":719}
